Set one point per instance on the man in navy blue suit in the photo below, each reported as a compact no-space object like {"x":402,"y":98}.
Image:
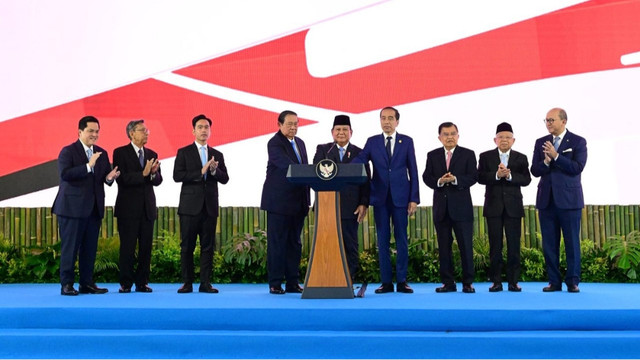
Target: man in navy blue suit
{"x":83,"y":168}
{"x":450,"y":172}
{"x":286,"y":205}
{"x":394,"y":195}
{"x":558,"y":160}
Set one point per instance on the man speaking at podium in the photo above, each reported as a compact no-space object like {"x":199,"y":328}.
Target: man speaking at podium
{"x":354,"y":199}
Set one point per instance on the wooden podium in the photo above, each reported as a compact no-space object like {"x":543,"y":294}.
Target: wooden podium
{"x":327,"y":274}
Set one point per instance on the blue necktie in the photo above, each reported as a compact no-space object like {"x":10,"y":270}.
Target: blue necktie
{"x":141,"y":158}
{"x":203,"y":158}
{"x":388,"y":146}
{"x":89,"y":154}
{"x":341,"y":152}
{"x":504,"y":159}
{"x":293,"y":144}
{"x":556,"y":142}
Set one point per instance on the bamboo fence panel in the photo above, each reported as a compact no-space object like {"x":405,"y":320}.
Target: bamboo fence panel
{"x":24,"y":227}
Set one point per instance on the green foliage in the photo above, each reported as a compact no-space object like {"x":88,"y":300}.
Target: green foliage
{"x":369,"y":267}
{"x":107,"y":258}
{"x":43,"y":263}
{"x":165,"y":258}
{"x":423,"y":264}
{"x":532,"y":265}
{"x":625,"y":250}
{"x":246,"y":257}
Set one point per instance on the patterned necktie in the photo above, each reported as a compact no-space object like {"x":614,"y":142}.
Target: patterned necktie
{"x":203,"y":158}
{"x":141,"y":158}
{"x":556,"y":142}
{"x":293,"y":145}
{"x":388,"y":146}
{"x":504,"y":159}
{"x":341,"y":152}
{"x":448,"y":159}
{"x":89,"y":155}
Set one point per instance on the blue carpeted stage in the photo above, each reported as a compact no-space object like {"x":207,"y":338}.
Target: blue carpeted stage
{"x":244,"y":321}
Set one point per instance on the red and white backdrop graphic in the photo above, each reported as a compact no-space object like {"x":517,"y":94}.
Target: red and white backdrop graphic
{"x":241,"y":63}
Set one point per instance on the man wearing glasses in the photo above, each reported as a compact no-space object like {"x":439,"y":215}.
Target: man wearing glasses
{"x":558,"y":160}
{"x":136,"y":206}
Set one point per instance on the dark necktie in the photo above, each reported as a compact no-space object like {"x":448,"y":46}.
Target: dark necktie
{"x":388,"y":146}
{"x":141,"y":158}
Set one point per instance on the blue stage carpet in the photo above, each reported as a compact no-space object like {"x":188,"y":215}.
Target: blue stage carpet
{"x":244,"y":321}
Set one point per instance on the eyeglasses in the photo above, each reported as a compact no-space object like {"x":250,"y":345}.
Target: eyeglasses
{"x":146,"y":131}
{"x":549,"y":120}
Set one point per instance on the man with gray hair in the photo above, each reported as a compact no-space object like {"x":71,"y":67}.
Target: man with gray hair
{"x":136,"y":206}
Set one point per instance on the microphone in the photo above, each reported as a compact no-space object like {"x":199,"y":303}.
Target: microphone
{"x":326,"y":156}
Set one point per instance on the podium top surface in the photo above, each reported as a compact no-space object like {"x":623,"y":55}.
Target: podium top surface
{"x":327,"y":175}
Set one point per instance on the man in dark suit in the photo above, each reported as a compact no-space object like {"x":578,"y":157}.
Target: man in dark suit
{"x":558,"y":160}
{"x":84,"y":168}
{"x":503,"y":171}
{"x":136,"y":205}
{"x":199,"y":168}
{"x":450,"y":172}
{"x":286,"y":205}
{"x":394,"y":195}
{"x":354,"y":199}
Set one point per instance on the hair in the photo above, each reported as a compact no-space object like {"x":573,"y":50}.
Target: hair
{"x":446,"y":125}
{"x":198,"y":118}
{"x":285,"y":114}
{"x":131,"y":126}
{"x":562,"y":114}
{"x":391,"y":108}
{"x":82,"y":124}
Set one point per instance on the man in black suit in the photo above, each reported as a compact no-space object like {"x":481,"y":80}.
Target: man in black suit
{"x":450,"y":172}
{"x":83,"y":168}
{"x":354,"y":199}
{"x":136,"y":205}
{"x":503,"y":171}
{"x":286,"y":205}
{"x":199,"y":168}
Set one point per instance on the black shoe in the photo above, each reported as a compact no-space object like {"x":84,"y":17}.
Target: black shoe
{"x":468,"y":289}
{"x":143,"y":288}
{"x":68,"y":290}
{"x":276,"y":290}
{"x":296,"y":289}
{"x":91,"y":289}
{"x":573,"y":288}
{"x":403,"y":287}
{"x":551,"y":288}
{"x":495,"y":287}
{"x":207,"y":288}
{"x":385,"y":288}
{"x":515,"y":287}
{"x":185,"y":288}
{"x":124,"y":289}
{"x":447,"y":288}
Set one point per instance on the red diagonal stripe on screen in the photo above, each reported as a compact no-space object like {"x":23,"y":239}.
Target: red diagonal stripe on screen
{"x":585,"y":38}
{"x":167,"y":110}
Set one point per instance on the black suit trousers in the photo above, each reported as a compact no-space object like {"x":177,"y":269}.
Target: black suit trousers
{"x":512,"y":228}
{"x":284,"y":248}
{"x":464,"y":235}
{"x":201,"y":226}
{"x":135,"y":231}
{"x":350,"y":240}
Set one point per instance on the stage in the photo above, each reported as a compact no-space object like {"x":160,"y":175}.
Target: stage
{"x":245,"y":321}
